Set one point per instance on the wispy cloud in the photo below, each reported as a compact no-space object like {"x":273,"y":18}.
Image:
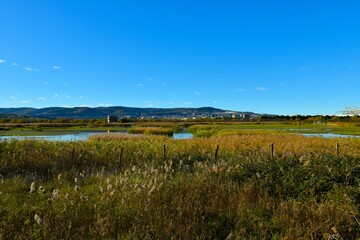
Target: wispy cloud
{"x":81,"y":97}
{"x":14,"y":64}
{"x":105,"y":105}
{"x":42,"y":99}
{"x":140,"y":85}
{"x":45,"y":83}
{"x":58,"y":96}
{"x":13,"y":97}
{"x":56,"y":67}
{"x":152,"y":79}
{"x":151,"y":103}
{"x":261,"y":89}
{"x":305,"y":68}
{"x":240,"y":90}
{"x":25,"y":101}
{"x":2,"y":61}
{"x":31,"y":69}
{"x":197,"y":93}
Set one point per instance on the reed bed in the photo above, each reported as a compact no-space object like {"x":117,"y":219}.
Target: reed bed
{"x":155,"y":187}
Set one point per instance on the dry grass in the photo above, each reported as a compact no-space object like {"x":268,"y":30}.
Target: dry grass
{"x":72,"y":190}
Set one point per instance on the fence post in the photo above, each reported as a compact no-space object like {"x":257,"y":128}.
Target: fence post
{"x":216,"y":151}
{"x":120,"y":158}
{"x":272,"y":150}
{"x":164,"y":152}
{"x":337,"y":148}
{"x":73,"y":154}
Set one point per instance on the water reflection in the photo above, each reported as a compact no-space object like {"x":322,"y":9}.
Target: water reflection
{"x":81,"y":136}
{"x":329,"y":135}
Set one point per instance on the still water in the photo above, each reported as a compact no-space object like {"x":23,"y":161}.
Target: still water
{"x":183,"y":135}
{"x":80,"y":136}
{"x":329,"y":135}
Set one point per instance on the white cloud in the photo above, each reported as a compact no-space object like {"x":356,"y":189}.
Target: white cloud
{"x":260,"y":89}
{"x":56,"y":67}
{"x":25,"y":101}
{"x":14,"y":64}
{"x":12,"y":97}
{"x":42,"y":99}
{"x":81,"y":97}
{"x":152,"y":103}
{"x":197,"y":93}
{"x":140,"y":85}
{"x":105,"y":104}
{"x":57,"y":96}
{"x":31,"y":69}
{"x":2,"y":61}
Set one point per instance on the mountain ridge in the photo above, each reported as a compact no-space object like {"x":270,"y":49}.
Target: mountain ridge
{"x":119,"y":111}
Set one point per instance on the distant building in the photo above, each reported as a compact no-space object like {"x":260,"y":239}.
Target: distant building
{"x":244,"y":116}
{"x":111,"y":119}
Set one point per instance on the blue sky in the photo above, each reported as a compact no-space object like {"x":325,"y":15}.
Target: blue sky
{"x":279,"y":56}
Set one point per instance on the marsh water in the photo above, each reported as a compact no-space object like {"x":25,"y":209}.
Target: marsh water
{"x":81,"y":136}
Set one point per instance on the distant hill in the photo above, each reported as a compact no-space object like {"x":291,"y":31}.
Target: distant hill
{"x":121,"y":112}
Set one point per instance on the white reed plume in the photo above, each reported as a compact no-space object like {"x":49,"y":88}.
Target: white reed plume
{"x":76,"y":180}
{"x":151,"y":190}
{"x":37,"y":219}
{"x":59,"y":177}
{"x":55,"y":194}
{"x":77,"y":188}
{"x":109,"y":187}
{"x":108,"y":181}
{"x":42,"y":189}
{"x":32,"y":187}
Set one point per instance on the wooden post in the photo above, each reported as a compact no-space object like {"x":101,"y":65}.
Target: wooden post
{"x":73,"y":154}
{"x":216,"y":151}
{"x":272,"y":150}
{"x":164,"y":151}
{"x":337,"y":148}
{"x":120,"y":158}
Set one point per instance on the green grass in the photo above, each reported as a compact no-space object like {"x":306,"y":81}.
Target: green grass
{"x":303,"y":192}
{"x":216,"y":129}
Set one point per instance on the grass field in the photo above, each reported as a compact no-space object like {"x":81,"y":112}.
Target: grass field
{"x":131,"y":187}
